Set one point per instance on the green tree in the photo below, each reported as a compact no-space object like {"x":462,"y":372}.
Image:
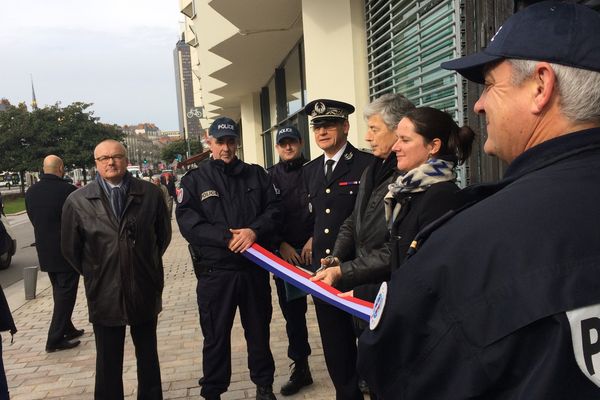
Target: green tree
{"x":20,"y":146}
{"x":79,"y":132}
{"x":170,"y":151}
{"x":70,"y":132}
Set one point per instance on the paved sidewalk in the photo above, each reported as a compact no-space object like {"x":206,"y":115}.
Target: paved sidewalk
{"x":34,"y":374}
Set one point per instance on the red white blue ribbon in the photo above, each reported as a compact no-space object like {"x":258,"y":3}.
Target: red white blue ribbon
{"x":299,"y":278}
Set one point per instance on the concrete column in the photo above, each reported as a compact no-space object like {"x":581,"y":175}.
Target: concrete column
{"x":336,"y":58}
{"x":252,"y":129}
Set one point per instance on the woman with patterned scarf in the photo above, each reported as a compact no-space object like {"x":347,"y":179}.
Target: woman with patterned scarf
{"x":429,"y":147}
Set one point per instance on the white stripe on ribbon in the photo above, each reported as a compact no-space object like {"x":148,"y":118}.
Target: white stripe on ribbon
{"x":297,"y":277}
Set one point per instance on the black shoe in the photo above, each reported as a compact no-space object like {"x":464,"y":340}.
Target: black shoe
{"x":265,"y":393}
{"x":64,"y":345}
{"x":74,"y":334}
{"x":299,"y":378}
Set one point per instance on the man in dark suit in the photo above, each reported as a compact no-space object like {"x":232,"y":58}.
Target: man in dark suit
{"x":44,"y":201}
{"x":332,"y":181}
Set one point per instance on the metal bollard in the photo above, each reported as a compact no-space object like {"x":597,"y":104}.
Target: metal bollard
{"x":30,"y":281}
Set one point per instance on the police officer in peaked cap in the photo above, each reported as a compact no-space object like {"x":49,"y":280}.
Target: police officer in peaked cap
{"x":226,"y":205}
{"x":332,"y":181}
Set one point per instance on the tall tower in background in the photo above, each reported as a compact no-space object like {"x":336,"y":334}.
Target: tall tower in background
{"x":188,"y":118}
{"x":33,"y":100}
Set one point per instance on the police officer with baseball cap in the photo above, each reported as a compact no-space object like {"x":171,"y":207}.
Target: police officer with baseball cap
{"x":226,"y":205}
{"x":332,"y":181}
{"x":501,"y":298}
{"x":295,"y":246}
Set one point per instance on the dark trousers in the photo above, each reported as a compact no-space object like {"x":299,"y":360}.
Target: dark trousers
{"x":339,"y":348}
{"x":64,"y":293}
{"x":110,"y":343}
{"x":219,"y":293}
{"x":294,"y":312}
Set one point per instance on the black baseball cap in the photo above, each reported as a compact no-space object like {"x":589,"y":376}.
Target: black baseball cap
{"x":326,"y":110}
{"x":288,"y":132}
{"x":222,"y":127}
{"x":561,"y":33}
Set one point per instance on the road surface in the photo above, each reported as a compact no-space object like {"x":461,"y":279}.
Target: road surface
{"x":25,"y":256}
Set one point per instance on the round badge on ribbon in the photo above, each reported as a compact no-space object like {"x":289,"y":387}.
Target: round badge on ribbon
{"x":378,"y":306}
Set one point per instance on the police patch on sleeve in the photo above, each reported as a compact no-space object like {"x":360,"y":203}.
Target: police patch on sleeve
{"x":208,"y":193}
{"x":180,"y":195}
{"x":585,"y":333}
{"x":378,"y":306}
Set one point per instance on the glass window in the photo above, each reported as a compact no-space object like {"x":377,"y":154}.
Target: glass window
{"x":406,"y":42}
{"x":293,"y":83}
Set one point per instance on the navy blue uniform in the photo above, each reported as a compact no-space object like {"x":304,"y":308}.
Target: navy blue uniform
{"x":296,"y":230}
{"x":218,"y":197}
{"x":501,"y":301}
{"x":331,"y":202}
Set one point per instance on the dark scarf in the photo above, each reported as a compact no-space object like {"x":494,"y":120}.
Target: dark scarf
{"x":117,"y":195}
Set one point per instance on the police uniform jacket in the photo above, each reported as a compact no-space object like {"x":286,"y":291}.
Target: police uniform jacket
{"x":218,"y":197}
{"x":331,"y":202}
{"x":120,"y":260}
{"x":484,"y":309}
{"x":363,"y":243}
{"x":44,"y":201}
{"x":297,"y":224}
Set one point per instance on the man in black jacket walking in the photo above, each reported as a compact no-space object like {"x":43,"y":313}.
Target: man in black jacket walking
{"x":295,"y":246}
{"x":44,"y":201}
{"x":227,"y":205}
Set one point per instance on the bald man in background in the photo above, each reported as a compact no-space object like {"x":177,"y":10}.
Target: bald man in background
{"x":44,"y":201}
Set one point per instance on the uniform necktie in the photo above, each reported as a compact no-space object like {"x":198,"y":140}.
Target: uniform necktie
{"x":329,"y":169}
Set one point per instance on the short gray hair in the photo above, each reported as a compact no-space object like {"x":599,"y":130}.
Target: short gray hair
{"x":578,"y":89}
{"x":391,"y":106}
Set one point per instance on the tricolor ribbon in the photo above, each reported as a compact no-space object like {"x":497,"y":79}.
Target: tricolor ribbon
{"x":299,"y":278}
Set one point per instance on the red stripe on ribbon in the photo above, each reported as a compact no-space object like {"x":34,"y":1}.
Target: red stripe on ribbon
{"x":301,"y":279}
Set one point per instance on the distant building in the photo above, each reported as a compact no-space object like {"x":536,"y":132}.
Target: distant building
{"x":143,"y":145}
{"x":151,"y":131}
{"x":189,"y":117}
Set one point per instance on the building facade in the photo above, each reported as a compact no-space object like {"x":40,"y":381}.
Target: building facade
{"x":260,"y":62}
{"x":189,"y":121}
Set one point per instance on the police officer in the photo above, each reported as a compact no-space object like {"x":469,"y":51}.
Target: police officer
{"x":332,"y":181}
{"x":501,"y":301}
{"x":295,"y":246}
{"x":225,"y":207}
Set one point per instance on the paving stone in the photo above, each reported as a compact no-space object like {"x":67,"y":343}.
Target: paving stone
{"x":34,"y":374}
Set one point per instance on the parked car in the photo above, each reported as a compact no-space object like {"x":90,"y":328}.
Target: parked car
{"x":8,"y":244}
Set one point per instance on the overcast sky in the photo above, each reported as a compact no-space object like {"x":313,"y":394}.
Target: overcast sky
{"x":117,"y":54}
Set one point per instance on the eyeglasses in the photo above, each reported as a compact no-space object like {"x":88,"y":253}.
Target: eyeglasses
{"x":105,"y":159}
